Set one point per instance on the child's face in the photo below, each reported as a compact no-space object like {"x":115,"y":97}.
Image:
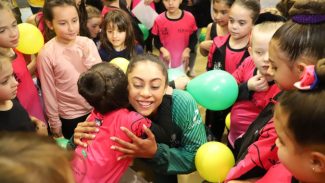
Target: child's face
{"x":283,"y":73}
{"x":259,"y":50}
{"x":240,"y":22}
{"x":8,"y":83}
{"x":116,"y":37}
{"x":220,"y":13}
{"x":65,"y":23}
{"x":294,"y":157}
{"x":172,"y":6}
{"x":93,"y":26}
{"x":9,"y":33}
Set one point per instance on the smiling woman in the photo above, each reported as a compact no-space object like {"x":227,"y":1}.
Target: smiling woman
{"x":147,"y":77}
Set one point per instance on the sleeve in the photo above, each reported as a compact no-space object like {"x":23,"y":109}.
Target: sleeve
{"x":192,"y":41}
{"x":46,"y":75}
{"x":157,"y":42}
{"x":244,"y":93}
{"x":213,"y":48}
{"x":135,"y":123}
{"x":179,"y":160}
{"x":155,"y":27}
{"x":90,"y":53}
{"x":262,"y":155}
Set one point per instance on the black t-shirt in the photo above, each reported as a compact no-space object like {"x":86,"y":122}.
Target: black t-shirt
{"x":16,"y":119}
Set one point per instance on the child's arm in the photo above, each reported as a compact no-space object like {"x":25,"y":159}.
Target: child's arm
{"x":191,"y":47}
{"x":206,"y":44}
{"x":257,"y":83}
{"x":46,"y":76}
{"x":165,"y":53}
{"x":41,"y":127}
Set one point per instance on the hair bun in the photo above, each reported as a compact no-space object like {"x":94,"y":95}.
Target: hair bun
{"x":312,"y":7}
{"x":93,"y":85}
{"x":320,"y":71}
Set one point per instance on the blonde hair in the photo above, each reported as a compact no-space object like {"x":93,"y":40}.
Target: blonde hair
{"x":266,"y":28}
{"x":92,"y":12}
{"x":29,"y":158}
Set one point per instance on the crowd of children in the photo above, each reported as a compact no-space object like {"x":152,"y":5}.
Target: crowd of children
{"x":276,"y":132}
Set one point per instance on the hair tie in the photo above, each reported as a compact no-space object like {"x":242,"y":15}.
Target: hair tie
{"x":309,"y":19}
{"x":269,"y":17}
{"x":308,"y":80}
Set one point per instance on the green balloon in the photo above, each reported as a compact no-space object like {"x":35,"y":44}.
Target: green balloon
{"x":144,"y":31}
{"x":62,"y":142}
{"x":214,"y":90}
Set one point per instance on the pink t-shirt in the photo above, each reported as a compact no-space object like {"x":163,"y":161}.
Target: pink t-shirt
{"x":59,"y":68}
{"x":98,"y":162}
{"x":174,"y":34}
{"x":277,"y":173}
{"x":27,"y":93}
{"x":244,"y":112}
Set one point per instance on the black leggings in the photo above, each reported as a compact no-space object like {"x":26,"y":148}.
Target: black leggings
{"x":215,"y":121}
{"x":68,"y":125}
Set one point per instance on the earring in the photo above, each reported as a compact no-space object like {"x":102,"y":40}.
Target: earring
{"x":313,"y":169}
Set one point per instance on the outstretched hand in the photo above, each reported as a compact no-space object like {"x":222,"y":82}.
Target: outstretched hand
{"x":141,"y":148}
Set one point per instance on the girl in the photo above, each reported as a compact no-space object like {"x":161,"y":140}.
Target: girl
{"x":29,"y":158}
{"x":252,"y":75}
{"x":60,"y":63}
{"x":295,"y":45}
{"x":38,"y":20}
{"x":104,"y":86}
{"x":175,"y":34}
{"x":146,"y":83}
{"x":299,"y":123}
{"x":93,"y":23}
{"x":117,"y":37}
{"x":228,"y":52}
{"x":26,"y":93}
{"x":13,"y":117}
{"x":220,"y":25}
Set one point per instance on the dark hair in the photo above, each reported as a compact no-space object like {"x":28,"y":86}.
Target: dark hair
{"x":228,"y":2}
{"x":123,"y":23}
{"x":303,"y":39}
{"x":305,"y":109}
{"x":284,"y":6}
{"x":252,"y":5}
{"x":148,"y":57}
{"x":83,"y":18}
{"x":48,"y":14}
{"x":30,"y":158}
{"x":104,"y":86}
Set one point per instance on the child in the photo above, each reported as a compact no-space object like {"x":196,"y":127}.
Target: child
{"x":93,"y":23}
{"x":117,"y":37}
{"x":299,"y":123}
{"x":29,"y":158}
{"x":220,"y":25}
{"x":110,"y":5}
{"x":104,"y":86}
{"x":228,"y":52}
{"x":252,"y":75}
{"x":9,"y":35}
{"x":175,"y":34}
{"x":293,"y":46}
{"x":60,"y":63}
{"x":12,"y":114}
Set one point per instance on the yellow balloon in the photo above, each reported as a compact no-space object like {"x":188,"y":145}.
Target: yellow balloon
{"x":36,"y":3}
{"x":213,"y":161}
{"x":30,"y":39}
{"x":228,"y":120}
{"x":122,"y":63}
{"x":204,"y":30}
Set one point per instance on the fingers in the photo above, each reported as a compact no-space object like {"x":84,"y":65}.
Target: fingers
{"x":131,"y":135}
{"x":148,"y":132}
{"x":123,"y":150}
{"x":77,"y":141}
{"x":124,"y":157}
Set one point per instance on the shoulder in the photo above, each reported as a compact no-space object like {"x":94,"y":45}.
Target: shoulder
{"x":182,"y":100}
{"x":83,"y":39}
{"x":48,"y":48}
{"x":188,"y":14}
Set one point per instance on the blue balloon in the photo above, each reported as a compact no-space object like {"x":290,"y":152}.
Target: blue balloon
{"x":214,"y":90}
